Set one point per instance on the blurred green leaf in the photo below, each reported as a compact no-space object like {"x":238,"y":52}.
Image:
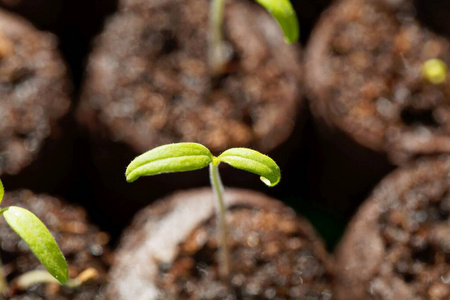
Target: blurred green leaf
{"x":285,"y":15}
{"x":179,"y":157}
{"x":435,"y":71}
{"x":39,"y":239}
{"x":2,"y":191}
{"x":254,"y":162}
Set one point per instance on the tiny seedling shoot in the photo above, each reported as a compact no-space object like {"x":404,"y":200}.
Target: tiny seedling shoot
{"x":218,"y":53}
{"x":181,"y":157}
{"x":38,"y":238}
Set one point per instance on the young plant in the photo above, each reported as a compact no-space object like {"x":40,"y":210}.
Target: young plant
{"x":181,"y":157}
{"x":38,"y":238}
{"x":281,"y":10}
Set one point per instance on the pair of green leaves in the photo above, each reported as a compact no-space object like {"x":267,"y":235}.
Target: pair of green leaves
{"x":181,"y":157}
{"x":285,"y":15}
{"x":37,"y":237}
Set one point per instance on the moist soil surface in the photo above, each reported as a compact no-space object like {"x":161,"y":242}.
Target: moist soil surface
{"x":398,"y":245}
{"x":273,"y":257}
{"x":274,"y":254}
{"x":33,"y":90}
{"x":148,"y":81}
{"x":83,"y":245}
{"x":364,"y":62}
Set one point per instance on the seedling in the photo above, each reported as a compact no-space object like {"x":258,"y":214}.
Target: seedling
{"x":435,"y":71}
{"x":181,"y":157}
{"x":38,"y":238}
{"x":281,"y":10}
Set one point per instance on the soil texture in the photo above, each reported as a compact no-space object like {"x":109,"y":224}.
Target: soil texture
{"x":34,"y":92}
{"x":169,"y":251}
{"x":83,"y":245}
{"x":148,"y":82}
{"x":398,"y":244}
{"x":364,"y":65}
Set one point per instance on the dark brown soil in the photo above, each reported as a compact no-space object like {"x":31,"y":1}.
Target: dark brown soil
{"x":169,"y":252}
{"x":83,"y":245}
{"x":41,"y":12}
{"x":34,"y":91}
{"x":148,"y":81}
{"x":364,"y":78}
{"x":398,"y":244}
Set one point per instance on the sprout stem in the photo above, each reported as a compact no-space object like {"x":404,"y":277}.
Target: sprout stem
{"x":217,"y":186}
{"x":216,"y":48}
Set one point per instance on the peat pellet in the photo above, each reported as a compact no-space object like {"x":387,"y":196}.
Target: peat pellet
{"x":364,"y":65}
{"x":148,"y":84}
{"x":397,"y":246}
{"x":34,"y":103}
{"x":84,"y":246}
{"x":170,"y":251}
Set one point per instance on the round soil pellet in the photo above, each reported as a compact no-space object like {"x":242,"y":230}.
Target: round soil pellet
{"x":148,"y":81}
{"x":364,"y":64}
{"x":33,"y":92}
{"x":170,"y":251}
{"x":83,"y":245}
{"x":398,"y":244}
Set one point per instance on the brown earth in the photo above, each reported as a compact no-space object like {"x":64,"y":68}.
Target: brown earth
{"x":169,"y":251}
{"x":398,"y":246}
{"x":83,"y":245}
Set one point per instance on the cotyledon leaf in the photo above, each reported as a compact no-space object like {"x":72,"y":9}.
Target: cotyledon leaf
{"x":285,"y":15}
{"x":177,"y":157}
{"x":39,"y":239}
{"x":2,"y":191}
{"x":254,"y":162}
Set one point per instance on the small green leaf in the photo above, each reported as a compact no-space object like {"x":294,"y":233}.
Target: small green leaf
{"x":285,"y":15}
{"x":2,"y":191}
{"x":179,"y":157}
{"x":254,"y":162}
{"x":39,"y":239}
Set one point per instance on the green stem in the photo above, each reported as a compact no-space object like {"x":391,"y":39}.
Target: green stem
{"x":216,"y":183}
{"x":216,"y":55}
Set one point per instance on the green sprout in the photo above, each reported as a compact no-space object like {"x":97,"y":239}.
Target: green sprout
{"x":181,"y":157}
{"x":37,"y":237}
{"x":435,"y":71}
{"x":281,"y":10}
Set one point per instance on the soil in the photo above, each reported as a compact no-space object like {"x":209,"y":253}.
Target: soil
{"x":148,"y":83}
{"x":398,"y":244}
{"x":169,"y":251}
{"x":364,"y":78}
{"x":41,"y":12}
{"x":83,"y":245}
{"x":34,"y":90}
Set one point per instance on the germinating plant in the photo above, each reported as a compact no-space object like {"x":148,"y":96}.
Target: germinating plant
{"x":281,"y":10}
{"x":181,"y":157}
{"x":38,"y":238}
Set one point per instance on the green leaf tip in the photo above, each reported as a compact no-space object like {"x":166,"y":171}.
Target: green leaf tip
{"x":286,"y":17}
{"x":177,"y":157}
{"x":2,"y":191}
{"x":39,"y":239}
{"x":254,"y":162}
